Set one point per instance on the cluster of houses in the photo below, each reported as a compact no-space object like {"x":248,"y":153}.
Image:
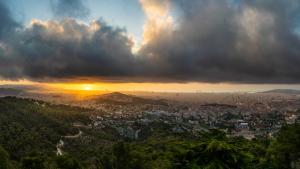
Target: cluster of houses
{"x":260,"y":119}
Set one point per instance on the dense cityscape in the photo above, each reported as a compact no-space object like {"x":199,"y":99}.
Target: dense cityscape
{"x":248,"y":115}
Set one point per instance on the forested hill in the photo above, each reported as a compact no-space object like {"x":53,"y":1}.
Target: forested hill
{"x":27,"y":125}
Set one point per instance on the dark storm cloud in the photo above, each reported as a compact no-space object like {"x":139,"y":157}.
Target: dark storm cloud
{"x":8,"y":27}
{"x":64,"y":49}
{"x":69,"y":8}
{"x":216,"y":41}
{"x":213,"y":41}
{"x":67,"y":49}
{"x":7,"y":23}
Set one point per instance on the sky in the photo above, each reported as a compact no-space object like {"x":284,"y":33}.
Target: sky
{"x":123,"y":13}
{"x":155,"y":45}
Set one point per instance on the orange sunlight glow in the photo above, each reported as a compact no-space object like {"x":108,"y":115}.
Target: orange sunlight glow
{"x":87,"y":87}
{"x":95,"y":88}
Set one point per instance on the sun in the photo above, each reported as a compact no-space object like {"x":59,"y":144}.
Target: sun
{"x":87,"y":87}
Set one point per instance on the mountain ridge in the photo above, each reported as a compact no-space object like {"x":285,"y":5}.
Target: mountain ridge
{"x":124,"y":99}
{"x":283,"y":91}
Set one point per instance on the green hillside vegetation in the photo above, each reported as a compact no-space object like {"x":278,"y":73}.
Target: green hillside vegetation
{"x":28,"y":125}
{"x":31,"y":129}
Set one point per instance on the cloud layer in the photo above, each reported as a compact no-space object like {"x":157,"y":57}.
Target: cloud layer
{"x":67,"y":49}
{"x":217,"y":41}
{"x":158,"y":18}
{"x":208,"y":41}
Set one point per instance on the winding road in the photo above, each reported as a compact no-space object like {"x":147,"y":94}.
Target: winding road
{"x":61,"y":143}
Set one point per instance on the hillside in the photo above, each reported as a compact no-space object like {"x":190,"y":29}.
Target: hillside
{"x":28,"y":125}
{"x":123,"y":99}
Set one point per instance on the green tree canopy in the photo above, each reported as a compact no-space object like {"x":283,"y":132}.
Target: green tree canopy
{"x":4,"y":159}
